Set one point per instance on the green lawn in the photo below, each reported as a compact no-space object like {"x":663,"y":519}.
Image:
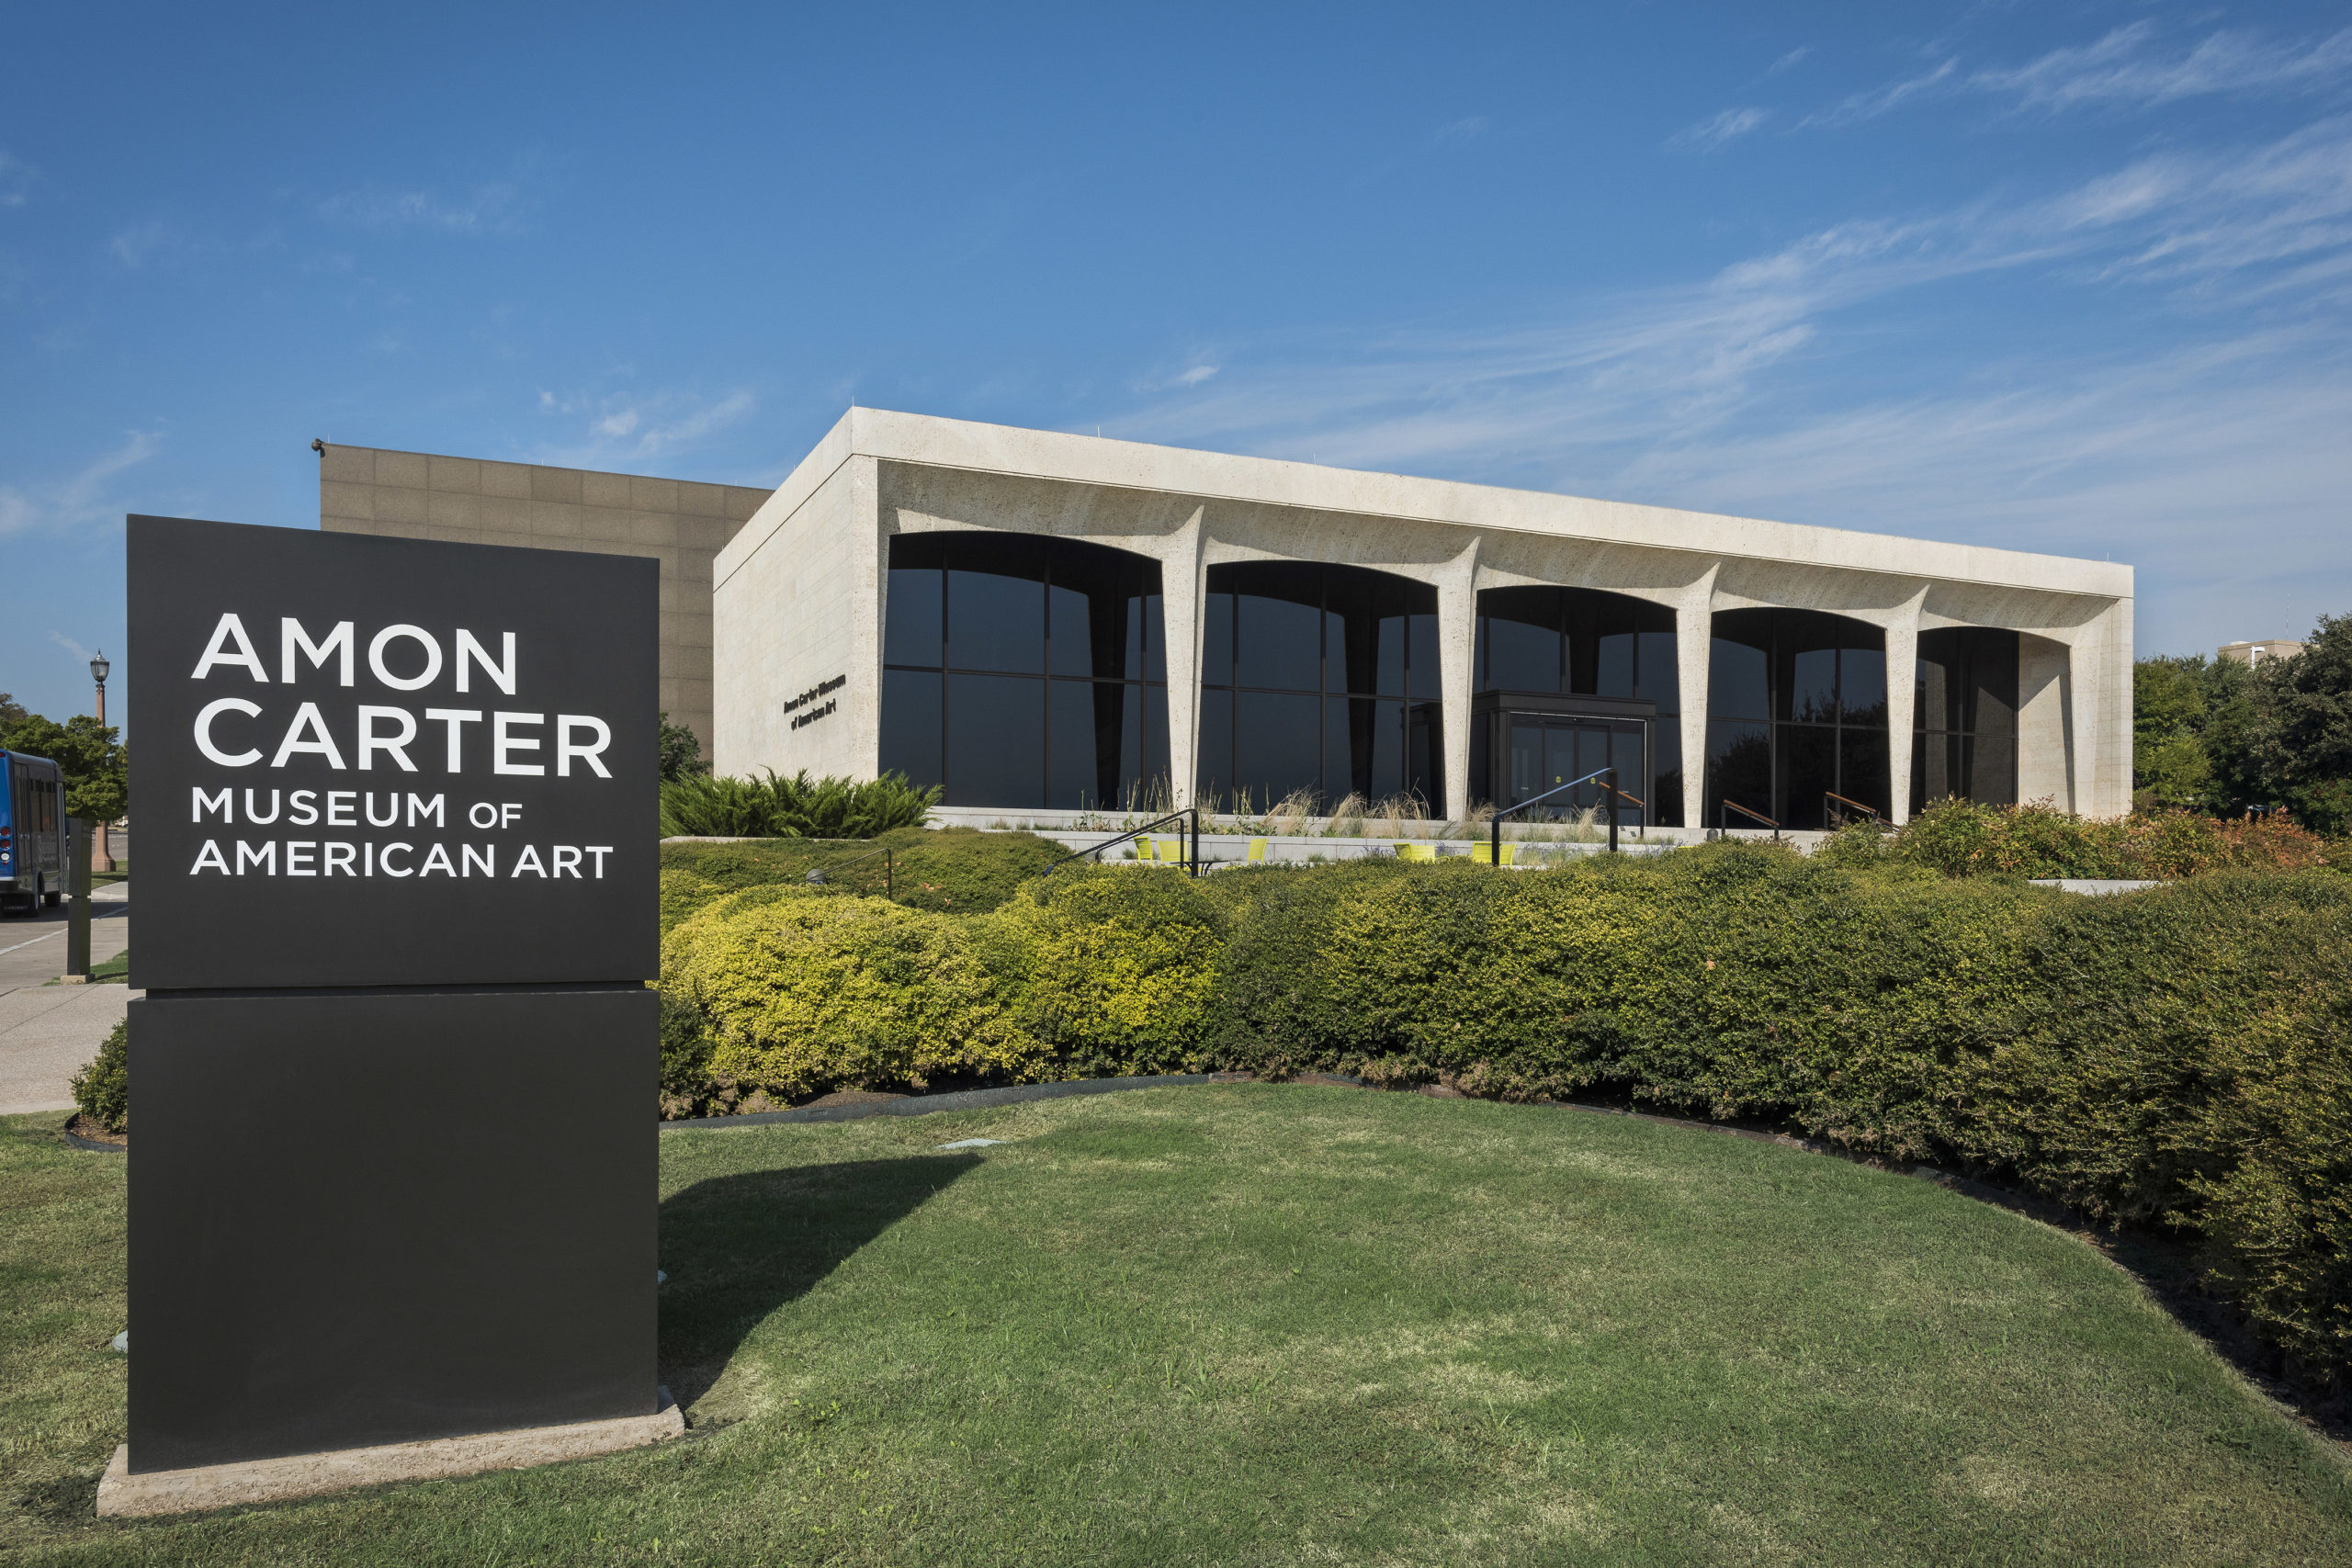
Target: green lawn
{"x":1271,"y":1324}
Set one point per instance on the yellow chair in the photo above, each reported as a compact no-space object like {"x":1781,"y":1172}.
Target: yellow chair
{"x":1484,"y":853}
{"x":1407,"y":850}
{"x":1257,"y":856}
{"x":1171,"y":851}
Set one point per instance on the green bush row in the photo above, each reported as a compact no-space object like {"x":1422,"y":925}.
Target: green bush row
{"x":1966,"y":838}
{"x":959,"y":870}
{"x":773,"y":807}
{"x":2182,"y":1057}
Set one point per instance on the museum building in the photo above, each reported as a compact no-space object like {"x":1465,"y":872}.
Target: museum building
{"x":1044,"y":622}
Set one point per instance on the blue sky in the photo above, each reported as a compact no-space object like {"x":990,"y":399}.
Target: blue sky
{"x":2063,"y":277}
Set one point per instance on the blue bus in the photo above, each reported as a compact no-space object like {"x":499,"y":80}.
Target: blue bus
{"x":32,"y":832}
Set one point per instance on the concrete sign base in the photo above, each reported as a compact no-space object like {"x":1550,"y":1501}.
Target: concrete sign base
{"x":122,"y":1494}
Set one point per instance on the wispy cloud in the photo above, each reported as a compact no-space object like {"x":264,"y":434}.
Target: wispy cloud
{"x":1795,"y":57}
{"x":2131,"y":67}
{"x":2122,"y":69}
{"x":1877,"y":101}
{"x":16,"y":178}
{"x":497,"y":208}
{"x":621,"y":428}
{"x":1718,"y":394}
{"x":81,"y":654}
{"x":1717,"y":131}
{"x":80,"y":499}
{"x":1463,"y":130}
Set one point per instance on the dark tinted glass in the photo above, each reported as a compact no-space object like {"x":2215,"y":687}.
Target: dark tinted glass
{"x":1426,"y":677}
{"x":1996,"y":685}
{"x":1352,"y":628}
{"x":910,"y":611}
{"x":1390,"y":675}
{"x":1276,"y":746}
{"x":1665,"y":785}
{"x":1343,"y":736}
{"x":1387,"y":752}
{"x":1861,"y":678}
{"x":1739,"y":765}
{"x":1425,"y":757}
{"x":1992,"y":769}
{"x":1279,"y":606}
{"x":1155,"y":771}
{"x":1086,"y":612}
{"x":1861,"y":768}
{"x":1215,"y":753}
{"x":1806,"y":756}
{"x":911,"y":726}
{"x":1216,"y":639}
{"x":1521,"y":628}
{"x":1804,"y":682}
{"x":995,"y":602}
{"x":1076,"y":775}
{"x":996,"y":740}
{"x":1658,"y":673}
{"x":1739,"y":667}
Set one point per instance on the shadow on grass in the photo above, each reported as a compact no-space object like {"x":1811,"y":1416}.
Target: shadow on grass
{"x":737,"y":1247}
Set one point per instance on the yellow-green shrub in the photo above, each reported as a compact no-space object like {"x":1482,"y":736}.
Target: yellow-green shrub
{"x":807,"y":991}
{"x":682,"y":893}
{"x":1115,"y":968}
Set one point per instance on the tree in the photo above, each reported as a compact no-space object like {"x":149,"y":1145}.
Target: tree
{"x":2297,"y":739}
{"x":11,"y":710}
{"x":96,"y":763}
{"x":681,"y":751}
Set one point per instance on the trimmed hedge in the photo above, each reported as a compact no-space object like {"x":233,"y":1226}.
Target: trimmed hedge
{"x":959,"y":870}
{"x":2182,"y":1057}
{"x":1964,"y":837}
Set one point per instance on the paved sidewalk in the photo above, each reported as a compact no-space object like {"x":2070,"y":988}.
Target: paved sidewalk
{"x":48,"y":1031}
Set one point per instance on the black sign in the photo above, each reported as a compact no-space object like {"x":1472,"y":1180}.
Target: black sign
{"x":387,"y":761}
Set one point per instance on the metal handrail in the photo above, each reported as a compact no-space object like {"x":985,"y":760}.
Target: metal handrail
{"x":1722,"y":826}
{"x":1829,"y":795}
{"x":1495,"y":853}
{"x":1191,"y":863}
{"x":816,"y":878}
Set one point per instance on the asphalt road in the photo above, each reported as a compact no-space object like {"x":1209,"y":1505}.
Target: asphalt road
{"x":48,"y":1031}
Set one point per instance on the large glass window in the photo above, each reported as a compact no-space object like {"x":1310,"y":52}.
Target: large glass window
{"x":1796,"y":717}
{"x":1964,"y":716}
{"x":1316,"y":678}
{"x":1588,"y":642}
{"x":1021,"y":671}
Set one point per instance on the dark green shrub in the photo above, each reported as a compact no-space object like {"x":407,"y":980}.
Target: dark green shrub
{"x":1961,"y":838}
{"x":102,"y":1089}
{"x":687,"y":1086}
{"x":698,"y":806}
{"x":959,"y":870}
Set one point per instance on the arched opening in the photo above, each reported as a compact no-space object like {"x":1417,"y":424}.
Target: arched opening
{"x":1023,"y":672}
{"x":1964,"y":718}
{"x":1320,"y":678}
{"x":1569,"y":681}
{"x":1796,"y":717}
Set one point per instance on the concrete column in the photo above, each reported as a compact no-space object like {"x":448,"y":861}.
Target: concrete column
{"x":2046,"y":725}
{"x":2102,"y":749}
{"x":1457,"y":641}
{"x":1694,"y":629}
{"x":1902,"y":699}
{"x":1183,"y":586}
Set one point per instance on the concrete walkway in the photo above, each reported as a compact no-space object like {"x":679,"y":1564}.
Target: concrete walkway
{"x":48,"y":1032}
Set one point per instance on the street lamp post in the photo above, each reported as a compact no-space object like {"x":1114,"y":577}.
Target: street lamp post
{"x":98,"y":668}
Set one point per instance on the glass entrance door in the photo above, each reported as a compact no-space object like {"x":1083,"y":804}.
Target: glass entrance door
{"x":1548,"y":751}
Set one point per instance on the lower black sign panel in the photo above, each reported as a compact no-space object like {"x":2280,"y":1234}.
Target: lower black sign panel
{"x":366,"y":1218}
